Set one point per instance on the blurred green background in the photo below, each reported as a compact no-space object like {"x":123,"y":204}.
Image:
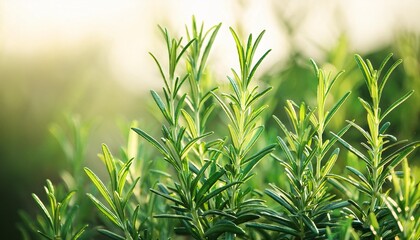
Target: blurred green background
{"x":90,"y":60}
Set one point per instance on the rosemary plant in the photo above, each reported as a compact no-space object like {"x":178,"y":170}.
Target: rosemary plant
{"x":200,"y":185}
{"x":118,"y":211}
{"x":404,"y":203}
{"x":194,"y":196}
{"x":245,"y":128}
{"x":373,"y":219}
{"x":57,"y":221}
{"x":309,"y":208}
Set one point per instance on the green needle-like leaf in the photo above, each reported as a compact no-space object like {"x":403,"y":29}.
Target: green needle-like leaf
{"x":111,"y":235}
{"x":44,"y":209}
{"x":100,"y":186}
{"x":224,"y":226}
{"x":208,"y":184}
{"x":215,"y":192}
{"x":336,"y":107}
{"x":110,"y":215}
{"x":396,"y":104}
{"x":309,"y":223}
{"x":352,"y":149}
{"x":151,"y":140}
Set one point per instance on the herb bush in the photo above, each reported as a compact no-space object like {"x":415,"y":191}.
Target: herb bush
{"x":244,"y":178}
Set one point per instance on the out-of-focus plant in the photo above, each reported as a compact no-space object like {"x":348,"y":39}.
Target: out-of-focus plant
{"x":404,"y":202}
{"x":57,"y":219}
{"x":72,"y":137}
{"x":73,"y":140}
{"x":407,"y":47}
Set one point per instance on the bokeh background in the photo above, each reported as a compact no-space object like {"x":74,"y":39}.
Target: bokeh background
{"x":89,"y":60}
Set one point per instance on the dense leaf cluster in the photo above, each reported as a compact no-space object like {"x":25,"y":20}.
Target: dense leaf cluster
{"x":198,"y":180}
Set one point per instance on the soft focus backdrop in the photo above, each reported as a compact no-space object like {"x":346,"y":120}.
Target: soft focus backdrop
{"x":89,"y":59}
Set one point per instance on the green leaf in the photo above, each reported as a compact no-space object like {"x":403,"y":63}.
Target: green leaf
{"x":358,"y":208}
{"x":360,"y":185}
{"x":208,"y":47}
{"x":179,"y":106}
{"x":399,"y":154}
{"x":277,"y":218}
{"x":384,"y":62}
{"x":66,"y":226}
{"x":160,"y":70}
{"x":208,"y":184}
{"x":100,"y":186}
{"x":167,"y":196}
{"x":326,"y":169}
{"x":130,"y":192}
{"x":215,"y":192}
{"x":45,"y":235}
{"x":359,"y":175}
{"x":258,"y":96}
{"x":151,"y":140}
{"x":239,"y":48}
{"x":161,"y":106}
{"x":396,"y":104}
{"x":246,"y":218}
{"x":255,"y":113}
{"x":199,"y":176}
{"x":282,"y":229}
{"x":188,"y":147}
{"x":111,"y":235}
{"x":283,"y":198}
{"x":67,"y":198}
{"x":218,"y":213}
{"x":384,"y":127}
{"x":190,"y":123}
{"x":223,"y":226}
{"x":331,"y":84}
{"x":388,"y":73}
{"x":44,"y":209}
{"x":110,"y":165}
{"x":286,"y":149}
{"x":353,"y":150}
{"x":254,"y":69}
{"x":255,"y":136}
{"x":235,"y":87}
{"x":254,"y":159}
{"x":255,"y":46}
{"x":174,"y":216}
{"x":183,"y":50}
{"x":365,"y":69}
{"x":335,"y":205}
{"x":122,"y":176}
{"x":334,"y":109}
{"x":310,"y":224}
{"x":79,"y":233}
{"x":104,"y":210}
{"x":206,"y":115}
{"x":225,"y":108}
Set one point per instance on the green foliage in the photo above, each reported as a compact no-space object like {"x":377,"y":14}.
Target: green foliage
{"x":195,"y":195}
{"x":116,"y":207}
{"x":308,"y":208}
{"x":403,"y":202}
{"x":200,"y":179}
{"x":57,"y":219}
{"x":379,"y":162}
